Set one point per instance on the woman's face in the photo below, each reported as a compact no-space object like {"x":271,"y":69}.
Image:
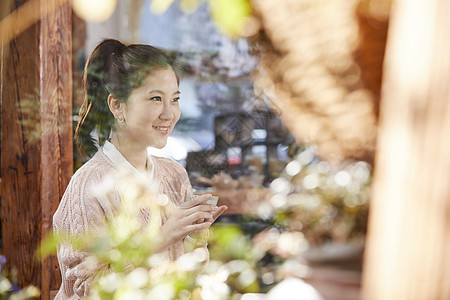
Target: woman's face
{"x":152,"y":110}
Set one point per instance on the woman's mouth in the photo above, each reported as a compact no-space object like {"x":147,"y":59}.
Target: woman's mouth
{"x":162,"y":129}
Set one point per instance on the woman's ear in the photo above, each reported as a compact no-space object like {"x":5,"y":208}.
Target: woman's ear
{"x":116,"y":106}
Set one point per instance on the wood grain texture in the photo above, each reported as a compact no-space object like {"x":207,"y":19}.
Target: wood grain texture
{"x":408,"y":251}
{"x":370,"y":53}
{"x":56,"y":114}
{"x":20,"y":171}
{"x":79,"y":31}
{"x":36,"y":160}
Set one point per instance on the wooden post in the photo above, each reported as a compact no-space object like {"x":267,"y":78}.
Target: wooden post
{"x":56,"y":119}
{"x":36,"y":126}
{"x":408,"y":251}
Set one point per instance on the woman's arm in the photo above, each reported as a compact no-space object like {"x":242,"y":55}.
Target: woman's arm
{"x":78,"y":214}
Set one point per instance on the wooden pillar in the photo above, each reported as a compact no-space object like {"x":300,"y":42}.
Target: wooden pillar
{"x":36,"y":127}
{"x":408,"y":251}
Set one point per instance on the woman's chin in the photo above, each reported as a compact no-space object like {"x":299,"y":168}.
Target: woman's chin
{"x":158,"y":145}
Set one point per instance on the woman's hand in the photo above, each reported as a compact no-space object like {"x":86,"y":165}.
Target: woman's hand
{"x":191,"y":218}
{"x":220,"y":210}
{"x":217,"y":212}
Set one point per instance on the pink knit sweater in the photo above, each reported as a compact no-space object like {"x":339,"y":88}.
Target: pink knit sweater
{"x":80,"y":211}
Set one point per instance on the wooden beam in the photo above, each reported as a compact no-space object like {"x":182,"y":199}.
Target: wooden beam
{"x":28,"y":12}
{"x":408,"y":250}
{"x":20,"y":161}
{"x":36,"y":162}
{"x":56,"y":120}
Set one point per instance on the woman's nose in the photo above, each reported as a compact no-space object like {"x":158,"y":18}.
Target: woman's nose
{"x":166,"y":113}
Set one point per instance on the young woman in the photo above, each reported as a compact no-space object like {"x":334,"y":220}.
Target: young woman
{"x":131,"y":101}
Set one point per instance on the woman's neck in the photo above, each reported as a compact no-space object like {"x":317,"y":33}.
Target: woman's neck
{"x":135,"y":154}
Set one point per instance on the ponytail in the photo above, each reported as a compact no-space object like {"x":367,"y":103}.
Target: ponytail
{"x":94,"y":112}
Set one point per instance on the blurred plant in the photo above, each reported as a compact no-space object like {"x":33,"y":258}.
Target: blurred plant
{"x":35,"y":125}
{"x":233,"y":17}
{"x":128,"y":267}
{"x":326,"y":202}
{"x":9,"y":288}
{"x":313,"y":202}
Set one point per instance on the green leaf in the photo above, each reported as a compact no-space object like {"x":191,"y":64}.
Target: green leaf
{"x":231,"y":15}
{"x":48,"y":246}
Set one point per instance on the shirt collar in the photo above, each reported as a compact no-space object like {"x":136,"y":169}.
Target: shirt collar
{"x":120,"y":161}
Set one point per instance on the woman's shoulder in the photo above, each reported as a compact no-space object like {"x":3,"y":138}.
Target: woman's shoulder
{"x":97,"y":165}
{"x":164,"y":164}
{"x":90,"y":176}
{"x":78,"y":201}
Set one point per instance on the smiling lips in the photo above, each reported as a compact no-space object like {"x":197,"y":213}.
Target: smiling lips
{"x":162,"y":129}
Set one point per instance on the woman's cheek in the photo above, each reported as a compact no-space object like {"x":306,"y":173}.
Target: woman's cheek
{"x":178,"y":115}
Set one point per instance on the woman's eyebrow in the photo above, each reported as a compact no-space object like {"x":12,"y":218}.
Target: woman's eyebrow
{"x":161,"y":92}
{"x":155,"y":91}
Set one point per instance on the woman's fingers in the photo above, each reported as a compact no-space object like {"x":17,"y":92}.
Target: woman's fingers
{"x":196,"y":200}
{"x":203,"y":207}
{"x":192,"y":220}
{"x":219,"y":212}
{"x":198,"y":215}
{"x":193,"y":217}
{"x":198,"y":227}
{"x":213,"y":215}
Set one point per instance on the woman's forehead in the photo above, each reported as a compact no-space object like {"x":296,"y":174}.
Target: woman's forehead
{"x":160,"y":80}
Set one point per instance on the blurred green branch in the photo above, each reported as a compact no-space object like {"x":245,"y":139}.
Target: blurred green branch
{"x":230,"y":16}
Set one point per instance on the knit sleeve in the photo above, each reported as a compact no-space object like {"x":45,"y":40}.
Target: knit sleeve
{"x":78,"y":213}
{"x":185,"y":187}
{"x":175,"y":184}
{"x":174,"y":180}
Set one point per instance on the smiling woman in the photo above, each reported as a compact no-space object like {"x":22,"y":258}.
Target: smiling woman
{"x":149,"y":114}
{"x":125,"y":80}
{"x":131,"y":101}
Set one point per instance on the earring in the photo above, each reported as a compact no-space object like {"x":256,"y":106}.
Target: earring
{"x":120,"y":119}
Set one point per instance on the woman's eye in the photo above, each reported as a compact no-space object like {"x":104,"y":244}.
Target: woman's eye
{"x":156,"y":98}
{"x":176,"y":99}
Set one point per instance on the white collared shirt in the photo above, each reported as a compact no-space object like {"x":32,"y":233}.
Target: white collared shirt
{"x":120,"y":161}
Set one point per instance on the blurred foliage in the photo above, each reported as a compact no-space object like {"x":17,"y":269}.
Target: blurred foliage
{"x":231,"y":16}
{"x":9,"y":288}
{"x":125,"y":263}
{"x":326,"y":202}
{"x":313,"y":202}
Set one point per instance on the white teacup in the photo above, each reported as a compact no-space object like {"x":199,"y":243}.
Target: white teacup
{"x":213,"y":201}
